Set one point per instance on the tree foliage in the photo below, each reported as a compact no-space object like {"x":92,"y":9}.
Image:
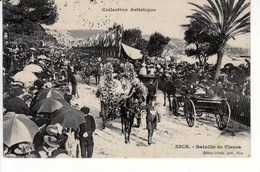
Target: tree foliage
{"x":225,"y":19}
{"x":133,"y":38}
{"x":27,"y":15}
{"x":39,"y":11}
{"x":205,"y":43}
{"x":156,"y":44}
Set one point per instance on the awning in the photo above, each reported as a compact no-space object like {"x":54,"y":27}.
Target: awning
{"x":132,"y":52}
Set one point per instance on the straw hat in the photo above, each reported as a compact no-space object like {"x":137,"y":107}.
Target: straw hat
{"x":53,"y":130}
{"x":23,"y":149}
{"x":51,"y":141}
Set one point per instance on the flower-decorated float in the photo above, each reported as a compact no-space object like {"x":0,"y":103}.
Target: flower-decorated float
{"x":114,"y":90}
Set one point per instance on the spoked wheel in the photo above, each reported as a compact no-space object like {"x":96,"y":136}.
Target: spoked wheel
{"x":175,"y":106}
{"x":223,"y":115}
{"x":189,"y":112}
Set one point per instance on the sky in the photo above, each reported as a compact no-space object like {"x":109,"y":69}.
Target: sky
{"x":167,"y":19}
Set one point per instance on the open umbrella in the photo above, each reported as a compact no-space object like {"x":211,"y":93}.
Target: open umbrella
{"x":25,"y":77}
{"x":33,"y":68}
{"x":68,"y":117}
{"x":50,"y":93}
{"x":18,"y":128}
{"x":43,"y":57}
{"x":50,"y":105}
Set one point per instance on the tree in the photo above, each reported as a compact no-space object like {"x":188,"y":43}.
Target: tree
{"x":23,"y":20}
{"x":225,"y":19}
{"x":205,"y":43}
{"x":141,"y":45}
{"x":39,"y":11}
{"x":156,"y":44}
{"x":133,"y":38}
{"x":28,"y":15}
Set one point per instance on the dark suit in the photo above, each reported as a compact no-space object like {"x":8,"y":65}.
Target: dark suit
{"x":151,"y":92}
{"x":87,"y":144}
{"x":74,"y":85}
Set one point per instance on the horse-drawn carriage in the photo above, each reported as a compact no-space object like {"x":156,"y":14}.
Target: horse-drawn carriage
{"x":206,"y":103}
{"x":145,"y":79}
{"x":121,"y":97}
{"x":184,"y":94}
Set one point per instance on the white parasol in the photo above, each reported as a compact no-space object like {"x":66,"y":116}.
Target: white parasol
{"x":25,"y":77}
{"x":33,"y":68}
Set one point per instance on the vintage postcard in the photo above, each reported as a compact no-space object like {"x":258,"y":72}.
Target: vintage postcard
{"x":126,"y":79}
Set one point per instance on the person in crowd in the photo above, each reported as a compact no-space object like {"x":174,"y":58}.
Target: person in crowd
{"x":143,"y":70}
{"x":192,"y":76}
{"x":152,"y":117}
{"x":67,"y":95}
{"x":87,"y":73}
{"x":86,"y":134}
{"x":98,"y":74}
{"x":74,"y":84}
{"x":50,"y":148}
{"x":16,"y":104}
{"x":152,"y":70}
{"x":151,"y":90}
{"x":219,"y":89}
{"x":121,"y":69}
{"x":20,"y":150}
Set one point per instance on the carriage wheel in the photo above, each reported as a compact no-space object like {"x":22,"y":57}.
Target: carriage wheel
{"x":189,"y":112}
{"x":223,"y":115}
{"x":175,"y":106}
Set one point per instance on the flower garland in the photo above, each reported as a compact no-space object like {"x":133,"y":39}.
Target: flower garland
{"x":107,"y":87}
{"x":110,"y":94}
{"x":129,"y":71}
{"x":132,"y":77}
{"x":141,"y":87}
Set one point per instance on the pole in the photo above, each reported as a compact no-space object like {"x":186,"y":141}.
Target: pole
{"x":120,"y":41}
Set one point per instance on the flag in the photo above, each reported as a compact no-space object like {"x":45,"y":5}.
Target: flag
{"x":119,"y":35}
{"x":107,"y":40}
{"x":96,"y":40}
{"x":113,"y":37}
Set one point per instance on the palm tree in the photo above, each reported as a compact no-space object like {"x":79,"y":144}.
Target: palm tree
{"x":225,"y":19}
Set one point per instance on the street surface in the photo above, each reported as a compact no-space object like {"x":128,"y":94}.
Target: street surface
{"x":173,"y":137}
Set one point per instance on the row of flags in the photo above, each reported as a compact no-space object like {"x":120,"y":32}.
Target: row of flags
{"x":110,"y":38}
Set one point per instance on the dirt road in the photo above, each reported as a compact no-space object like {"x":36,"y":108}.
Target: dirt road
{"x":173,"y":138}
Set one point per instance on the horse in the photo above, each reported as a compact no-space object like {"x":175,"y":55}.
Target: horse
{"x":130,"y":107}
{"x":167,"y":86}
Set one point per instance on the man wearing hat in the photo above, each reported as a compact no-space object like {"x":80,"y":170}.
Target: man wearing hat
{"x":152,"y":118}
{"x":50,"y":147}
{"x":151,"y":90}
{"x":86,"y":134}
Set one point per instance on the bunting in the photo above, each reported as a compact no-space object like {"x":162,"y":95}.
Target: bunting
{"x":110,"y":38}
